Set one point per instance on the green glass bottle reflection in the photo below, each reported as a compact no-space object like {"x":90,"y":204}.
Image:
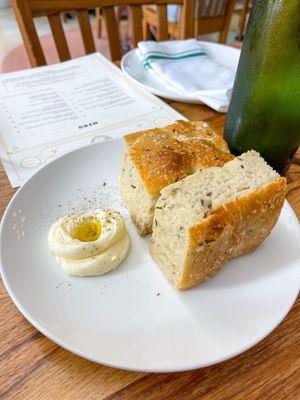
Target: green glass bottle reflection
{"x":264,"y":112}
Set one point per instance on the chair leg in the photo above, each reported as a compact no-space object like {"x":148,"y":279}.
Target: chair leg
{"x":99,"y":22}
{"x":146,"y":30}
{"x":223,"y":36}
{"x":243,"y":19}
{"x":224,"y":31}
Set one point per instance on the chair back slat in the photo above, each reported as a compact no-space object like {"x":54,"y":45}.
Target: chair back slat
{"x":212,"y":8}
{"x":136,"y":16}
{"x":29,"y":34}
{"x":224,"y":6}
{"x":59,"y":37}
{"x":228,"y":10}
{"x":112,"y":33}
{"x":86,"y":31}
{"x":162,"y":27}
{"x":217,"y":7}
{"x":187,"y":19}
{"x":209,"y":8}
{"x":201,"y":8}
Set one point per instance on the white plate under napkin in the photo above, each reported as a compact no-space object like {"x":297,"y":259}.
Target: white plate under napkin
{"x":133,"y":68}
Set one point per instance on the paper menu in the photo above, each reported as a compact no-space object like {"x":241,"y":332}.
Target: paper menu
{"x":48,"y":111}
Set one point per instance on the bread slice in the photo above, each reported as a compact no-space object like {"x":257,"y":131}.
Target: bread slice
{"x":214,"y":215}
{"x":155,"y":158}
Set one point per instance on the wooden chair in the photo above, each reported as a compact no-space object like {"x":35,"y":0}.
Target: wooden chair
{"x":211,"y":16}
{"x":27,"y":10}
{"x":243,"y":9}
{"x":99,"y":21}
{"x":99,"y":18}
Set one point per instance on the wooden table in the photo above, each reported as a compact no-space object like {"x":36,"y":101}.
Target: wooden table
{"x":32,"y":367}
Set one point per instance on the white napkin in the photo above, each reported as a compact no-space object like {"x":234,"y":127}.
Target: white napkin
{"x":186,"y":68}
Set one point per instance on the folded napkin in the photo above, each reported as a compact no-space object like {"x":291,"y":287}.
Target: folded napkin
{"x":185,"y":67}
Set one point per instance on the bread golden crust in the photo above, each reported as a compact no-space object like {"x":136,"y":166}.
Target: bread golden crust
{"x":182,"y":130}
{"x":231,"y":230}
{"x":165,"y":155}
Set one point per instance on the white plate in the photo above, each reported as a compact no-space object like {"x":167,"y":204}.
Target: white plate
{"x":133,"y":318}
{"x":132,"y":67}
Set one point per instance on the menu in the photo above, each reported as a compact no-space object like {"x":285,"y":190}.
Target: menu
{"x":48,"y":111}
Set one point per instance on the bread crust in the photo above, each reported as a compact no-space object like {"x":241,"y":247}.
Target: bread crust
{"x":189,"y":129}
{"x":233,"y":229}
{"x":166,"y":155}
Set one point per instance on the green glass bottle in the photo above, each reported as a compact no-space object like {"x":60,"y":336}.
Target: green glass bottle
{"x":264,"y":112}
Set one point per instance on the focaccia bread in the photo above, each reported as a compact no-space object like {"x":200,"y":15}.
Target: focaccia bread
{"x":156,"y":158}
{"x":214,"y":215}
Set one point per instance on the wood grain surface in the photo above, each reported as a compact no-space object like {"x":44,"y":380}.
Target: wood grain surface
{"x":32,"y":367}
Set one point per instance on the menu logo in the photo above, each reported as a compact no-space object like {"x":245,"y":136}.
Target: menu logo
{"x":88,"y":124}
